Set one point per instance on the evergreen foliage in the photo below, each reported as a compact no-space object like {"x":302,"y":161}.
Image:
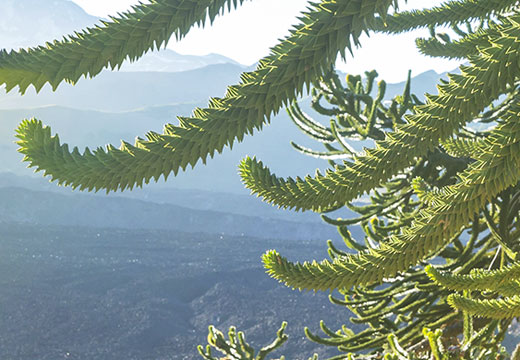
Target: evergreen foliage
{"x":326,"y":28}
{"x":108,"y":45}
{"x":442,"y":178}
{"x":456,"y":172}
{"x":236,"y":347}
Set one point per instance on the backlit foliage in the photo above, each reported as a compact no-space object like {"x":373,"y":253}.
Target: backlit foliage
{"x":441,"y":179}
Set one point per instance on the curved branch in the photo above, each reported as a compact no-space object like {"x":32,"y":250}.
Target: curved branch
{"x":504,"y":308}
{"x":459,"y":101}
{"x":497,"y":168}
{"x":108,"y":45}
{"x":293,"y":64}
{"x":451,"y":12}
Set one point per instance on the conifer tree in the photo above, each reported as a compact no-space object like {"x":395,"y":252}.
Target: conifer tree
{"x":442,"y":176}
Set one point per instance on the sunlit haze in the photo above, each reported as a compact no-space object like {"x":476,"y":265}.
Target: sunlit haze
{"x":246,"y":34}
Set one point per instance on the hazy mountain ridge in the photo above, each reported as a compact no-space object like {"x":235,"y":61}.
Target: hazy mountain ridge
{"x":135,"y":91}
{"x":230,"y":203}
{"x":114,"y":91}
{"x":167,"y":60}
{"x":45,"y":208}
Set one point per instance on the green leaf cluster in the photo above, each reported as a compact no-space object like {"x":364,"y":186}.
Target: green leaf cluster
{"x":236,"y":346}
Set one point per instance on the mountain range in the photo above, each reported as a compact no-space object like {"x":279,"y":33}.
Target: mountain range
{"x":25,"y":206}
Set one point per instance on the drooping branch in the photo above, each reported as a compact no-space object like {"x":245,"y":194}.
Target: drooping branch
{"x":326,"y":29}
{"x":125,"y":37}
{"x":496,"y":169}
{"x":458,"y":102}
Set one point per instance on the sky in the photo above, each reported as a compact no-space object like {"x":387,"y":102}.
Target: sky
{"x":246,"y":35}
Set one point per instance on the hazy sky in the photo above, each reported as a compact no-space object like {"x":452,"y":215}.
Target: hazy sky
{"x":246,"y":35}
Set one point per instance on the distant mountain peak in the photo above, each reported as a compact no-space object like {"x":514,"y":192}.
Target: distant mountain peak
{"x":43,"y":20}
{"x":167,"y":60}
